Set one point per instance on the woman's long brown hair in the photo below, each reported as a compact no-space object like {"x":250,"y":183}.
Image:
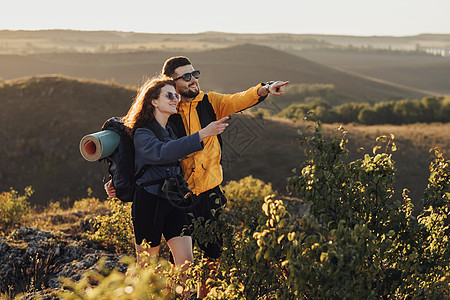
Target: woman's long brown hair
{"x":142,"y":110}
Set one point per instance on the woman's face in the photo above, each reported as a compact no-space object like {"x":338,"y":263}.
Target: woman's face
{"x":167,"y":101}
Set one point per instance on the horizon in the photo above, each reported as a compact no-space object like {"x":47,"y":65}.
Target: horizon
{"x":325,"y":17}
{"x":224,"y":32}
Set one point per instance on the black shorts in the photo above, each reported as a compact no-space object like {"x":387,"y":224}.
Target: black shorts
{"x":204,"y":203}
{"x":154,"y":216}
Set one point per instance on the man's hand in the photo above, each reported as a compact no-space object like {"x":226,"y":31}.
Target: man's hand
{"x":276,"y":88}
{"x":110,"y":190}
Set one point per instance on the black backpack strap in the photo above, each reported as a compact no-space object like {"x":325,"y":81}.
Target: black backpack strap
{"x":171,"y":132}
{"x":159,"y":181}
{"x":176,"y":123}
{"x":155,"y":128}
{"x":206,"y":114}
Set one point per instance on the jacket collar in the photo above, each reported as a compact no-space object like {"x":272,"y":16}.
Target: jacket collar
{"x":186,"y":105}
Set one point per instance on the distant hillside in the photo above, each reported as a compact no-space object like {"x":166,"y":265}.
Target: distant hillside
{"x":46,"y":41}
{"x":227,"y":69}
{"x":43,"y":119}
{"x":387,"y":42}
{"x":416,"y":70}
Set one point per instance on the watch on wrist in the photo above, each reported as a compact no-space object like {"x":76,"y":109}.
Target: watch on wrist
{"x":267,"y":86}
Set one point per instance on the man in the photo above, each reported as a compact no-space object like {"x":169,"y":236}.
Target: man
{"x":202,"y":169}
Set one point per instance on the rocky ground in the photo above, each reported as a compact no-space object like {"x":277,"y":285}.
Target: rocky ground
{"x":33,"y":261}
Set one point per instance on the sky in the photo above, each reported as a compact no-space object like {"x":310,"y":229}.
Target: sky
{"x":341,"y":17}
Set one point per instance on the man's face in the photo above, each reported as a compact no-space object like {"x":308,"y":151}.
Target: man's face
{"x":187,"y":89}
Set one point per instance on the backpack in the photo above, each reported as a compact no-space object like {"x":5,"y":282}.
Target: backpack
{"x":121,"y":161}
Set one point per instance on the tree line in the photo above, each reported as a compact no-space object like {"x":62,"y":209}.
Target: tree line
{"x":406,"y":111}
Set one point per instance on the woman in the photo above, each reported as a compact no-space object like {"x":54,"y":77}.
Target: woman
{"x":152,"y":211}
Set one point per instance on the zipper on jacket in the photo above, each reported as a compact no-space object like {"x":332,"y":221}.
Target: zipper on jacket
{"x":189,"y":121}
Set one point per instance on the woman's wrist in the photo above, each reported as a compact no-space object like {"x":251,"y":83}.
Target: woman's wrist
{"x":202,"y":135}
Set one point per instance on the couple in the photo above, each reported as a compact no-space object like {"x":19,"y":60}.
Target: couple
{"x":174,"y":102}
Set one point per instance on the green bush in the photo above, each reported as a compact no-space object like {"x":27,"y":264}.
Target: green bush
{"x":349,"y":112}
{"x":248,"y":189}
{"x":369,"y":245}
{"x":137,"y":283}
{"x":245,"y":198}
{"x":89,"y":204}
{"x":358,"y":242}
{"x":298,"y":111}
{"x":294,"y":112}
{"x":444,"y":112}
{"x":114,"y":229}
{"x":428,"y":109}
{"x":14,"y":208}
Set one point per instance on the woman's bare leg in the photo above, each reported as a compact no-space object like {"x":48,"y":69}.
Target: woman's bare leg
{"x":181,"y":248}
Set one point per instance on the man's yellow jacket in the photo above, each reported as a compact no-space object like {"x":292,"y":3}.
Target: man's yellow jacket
{"x":202,"y":169}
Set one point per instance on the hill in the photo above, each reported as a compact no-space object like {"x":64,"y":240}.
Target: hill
{"x":416,"y":70}
{"x":43,"y":119}
{"x":52,"y":41}
{"x":226,"y":69}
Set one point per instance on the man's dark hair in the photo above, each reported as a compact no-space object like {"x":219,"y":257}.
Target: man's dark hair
{"x":174,"y":62}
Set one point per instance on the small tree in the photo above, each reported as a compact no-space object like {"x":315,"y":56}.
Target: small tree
{"x":14,"y":208}
{"x":114,"y":229}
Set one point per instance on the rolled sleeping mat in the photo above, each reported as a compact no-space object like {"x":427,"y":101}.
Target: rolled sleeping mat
{"x":99,"y":145}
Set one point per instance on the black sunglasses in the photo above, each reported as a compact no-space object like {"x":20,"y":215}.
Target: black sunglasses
{"x":173,"y":96}
{"x":187,"y":76}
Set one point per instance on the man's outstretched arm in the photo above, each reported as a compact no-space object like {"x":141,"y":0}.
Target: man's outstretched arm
{"x":275,"y":88}
{"x":225,"y":105}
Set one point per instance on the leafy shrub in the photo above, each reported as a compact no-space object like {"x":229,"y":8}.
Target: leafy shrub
{"x":367,"y":244}
{"x":248,"y":189}
{"x":357,"y":242}
{"x":444,"y":112}
{"x":14,"y":208}
{"x":298,"y":111}
{"x":137,"y":283}
{"x":294,"y":111}
{"x":114,"y":229}
{"x":245,"y":198}
{"x":90,"y":204}
{"x":349,"y":112}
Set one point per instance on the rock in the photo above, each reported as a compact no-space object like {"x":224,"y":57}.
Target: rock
{"x":35,"y":260}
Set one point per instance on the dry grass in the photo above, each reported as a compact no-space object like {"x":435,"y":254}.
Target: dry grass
{"x":59,"y":217}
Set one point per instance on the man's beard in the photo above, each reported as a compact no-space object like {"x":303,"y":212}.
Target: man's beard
{"x":190,"y":93}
